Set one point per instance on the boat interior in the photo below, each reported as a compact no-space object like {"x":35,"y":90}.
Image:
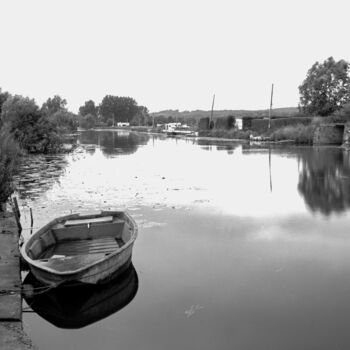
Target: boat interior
{"x":76,"y":242}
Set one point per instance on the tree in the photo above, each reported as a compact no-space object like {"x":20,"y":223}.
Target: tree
{"x":53,"y":105}
{"x":88,"y":108}
{"x":119,"y":109}
{"x":87,"y":121}
{"x":23,"y":119}
{"x":9,"y":159}
{"x":3,"y":97}
{"x":326,"y":87}
{"x":141,"y":117}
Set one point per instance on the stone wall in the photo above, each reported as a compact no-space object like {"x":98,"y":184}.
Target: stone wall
{"x":329,"y":134}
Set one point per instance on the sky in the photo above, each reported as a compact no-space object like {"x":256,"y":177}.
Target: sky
{"x":168,"y":54}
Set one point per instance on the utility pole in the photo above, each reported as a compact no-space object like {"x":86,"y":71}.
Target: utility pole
{"x":270,"y":106}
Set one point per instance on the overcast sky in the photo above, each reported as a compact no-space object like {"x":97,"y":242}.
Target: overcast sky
{"x":168,"y":54}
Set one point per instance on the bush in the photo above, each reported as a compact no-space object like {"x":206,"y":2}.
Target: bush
{"x":262,"y":125}
{"x":9,"y":159}
{"x":64,"y":121}
{"x":88,"y":121}
{"x":299,"y":133}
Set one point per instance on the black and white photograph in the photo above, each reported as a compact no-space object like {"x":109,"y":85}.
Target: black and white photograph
{"x":174,"y":175}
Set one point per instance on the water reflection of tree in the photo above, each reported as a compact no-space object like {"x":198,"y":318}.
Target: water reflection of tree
{"x":114,"y":142}
{"x":88,"y":137}
{"x":37,"y":174}
{"x":324,"y":179}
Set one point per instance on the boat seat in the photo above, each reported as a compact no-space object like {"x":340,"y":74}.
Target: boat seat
{"x":88,"y":230}
{"x":90,"y":221}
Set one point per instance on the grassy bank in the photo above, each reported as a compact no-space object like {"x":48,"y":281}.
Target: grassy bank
{"x":298,"y":133}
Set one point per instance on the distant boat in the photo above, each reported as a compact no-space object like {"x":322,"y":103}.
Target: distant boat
{"x":77,"y":306}
{"x":90,"y":248}
{"x":178,"y":129}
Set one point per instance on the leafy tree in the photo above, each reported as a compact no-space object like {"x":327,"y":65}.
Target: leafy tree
{"x":3,"y":97}
{"x":326,"y":87}
{"x":23,"y":119}
{"x":18,"y":112}
{"x":88,"y":108}
{"x":9,"y":159}
{"x":119,"y":109}
{"x":87,"y":121}
{"x":64,"y":121}
{"x":53,"y":105}
{"x":141,"y":117}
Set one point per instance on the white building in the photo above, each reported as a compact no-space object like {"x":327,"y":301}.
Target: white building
{"x":239,"y":123}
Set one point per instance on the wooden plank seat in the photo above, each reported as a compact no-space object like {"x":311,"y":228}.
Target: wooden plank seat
{"x":90,"y":221}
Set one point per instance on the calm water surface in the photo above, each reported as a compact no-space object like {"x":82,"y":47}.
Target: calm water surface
{"x":240,"y":246}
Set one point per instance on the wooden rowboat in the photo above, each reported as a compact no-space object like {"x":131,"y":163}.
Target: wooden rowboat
{"x":90,"y":248}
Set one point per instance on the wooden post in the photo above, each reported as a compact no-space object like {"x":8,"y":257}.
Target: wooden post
{"x":270,"y":107}
{"x":18,"y":221}
{"x":31,"y":218}
{"x":16,"y":206}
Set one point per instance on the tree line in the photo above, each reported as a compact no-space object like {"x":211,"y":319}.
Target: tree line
{"x":112,"y":110}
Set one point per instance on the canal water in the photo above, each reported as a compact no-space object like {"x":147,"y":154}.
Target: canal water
{"x":240,"y":246}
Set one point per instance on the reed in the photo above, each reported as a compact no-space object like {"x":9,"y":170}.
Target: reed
{"x":301,"y":134}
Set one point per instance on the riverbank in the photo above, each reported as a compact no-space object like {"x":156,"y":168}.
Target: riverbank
{"x":12,"y":336}
{"x":297,"y":134}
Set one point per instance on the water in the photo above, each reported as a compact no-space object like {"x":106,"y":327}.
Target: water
{"x":240,"y":246}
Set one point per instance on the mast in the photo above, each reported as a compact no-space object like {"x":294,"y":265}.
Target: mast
{"x":212,"y":109}
{"x":270,"y":106}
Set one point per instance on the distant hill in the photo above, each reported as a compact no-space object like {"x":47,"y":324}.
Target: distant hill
{"x":277,"y":112}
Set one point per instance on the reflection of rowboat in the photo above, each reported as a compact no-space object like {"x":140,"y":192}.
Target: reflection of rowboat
{"x":81,"y":305}
{"x":91,"y":248}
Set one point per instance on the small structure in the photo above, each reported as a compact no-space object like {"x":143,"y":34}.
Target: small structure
{"x":239,"y":123}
